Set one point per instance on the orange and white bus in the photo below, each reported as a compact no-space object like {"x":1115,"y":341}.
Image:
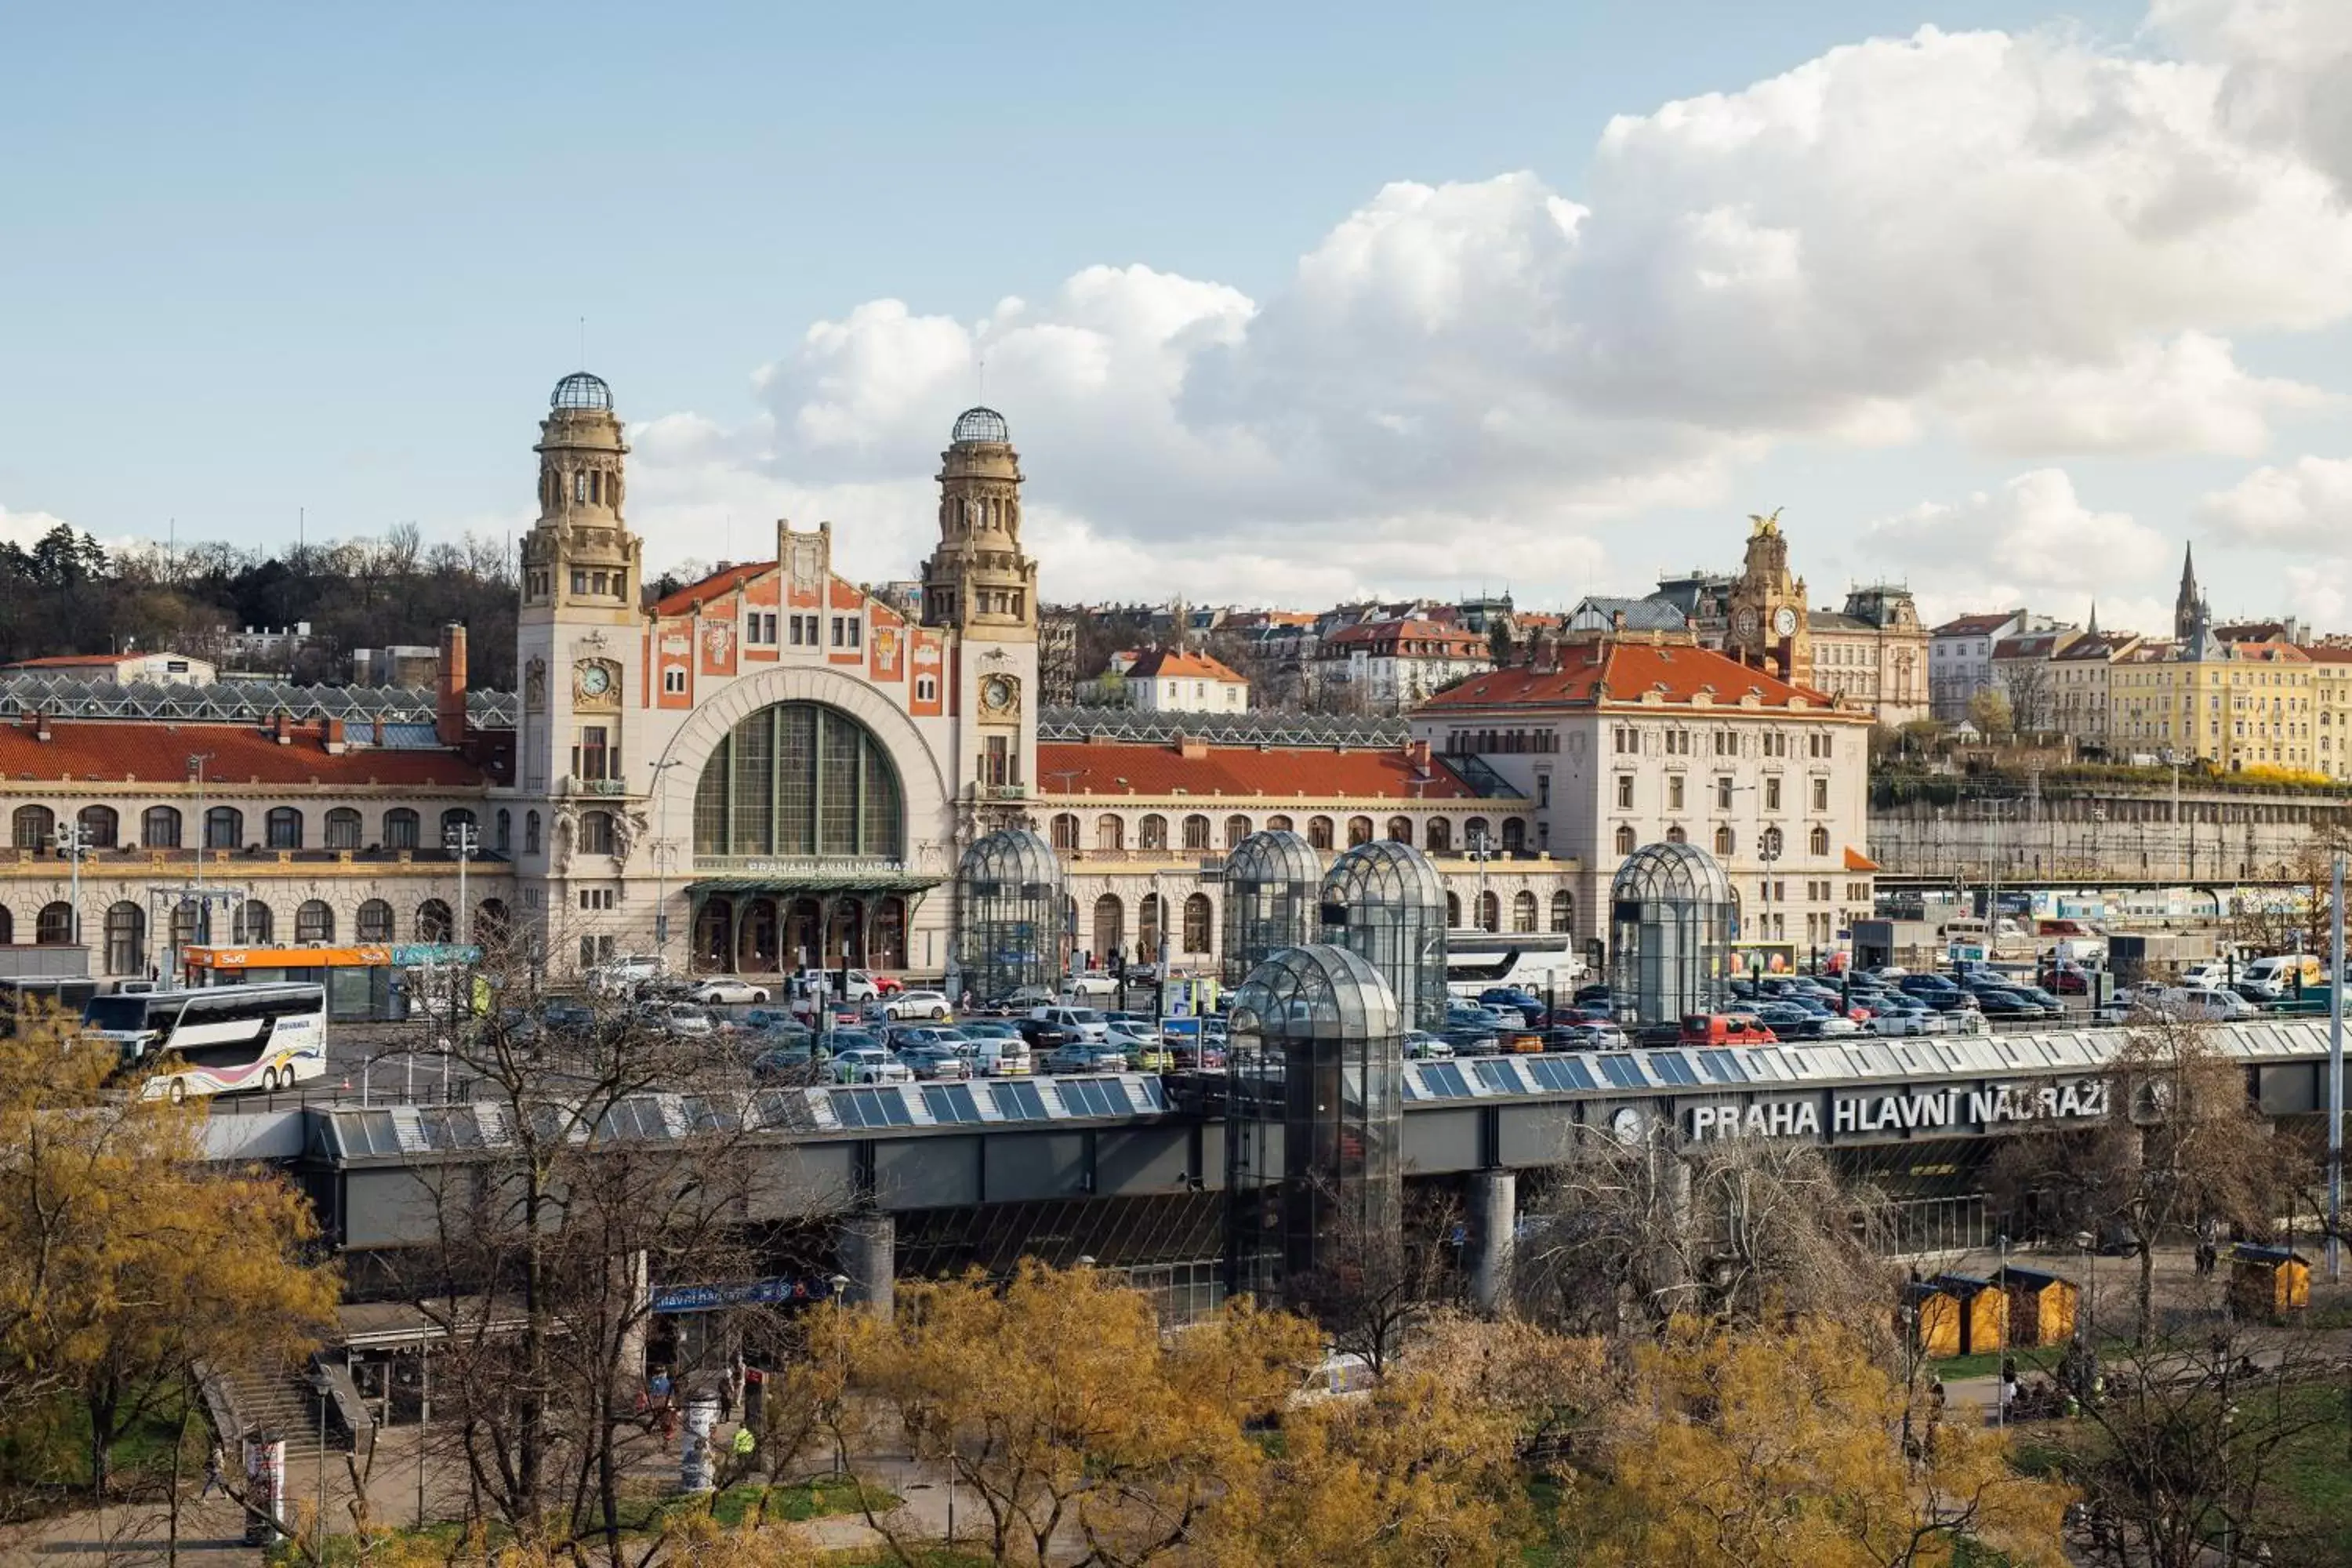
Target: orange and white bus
{"x":369,"y":982}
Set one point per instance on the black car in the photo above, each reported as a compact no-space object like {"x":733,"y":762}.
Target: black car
{"x":1996,"y":1003}
{"x":788,"y":1063}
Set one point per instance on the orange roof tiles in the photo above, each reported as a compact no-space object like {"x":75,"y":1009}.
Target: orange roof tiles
{"x":74,"y":660}
{"x":1855,"y":860}
{"x":719,"y":583}
{"x":149,"y":752}
{"x":1170,"y":663}
{"x":1100,"y":768}
{"x":1591,"y":673}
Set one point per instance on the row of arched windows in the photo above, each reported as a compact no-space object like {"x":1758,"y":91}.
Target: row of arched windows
{"x":1194,"y":935}
{"x":35,"y":827}
{"x":1527,"y":911}
{"x":1154,"y":833}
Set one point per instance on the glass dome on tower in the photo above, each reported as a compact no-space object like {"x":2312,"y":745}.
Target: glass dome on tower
{"x":982,"y":425}
{"x":582,"y":390}
{"x":1385,"y":902}
{"x":1009,"y":915}
{"x":1273,"y":883}
{"x":1671,"y":917}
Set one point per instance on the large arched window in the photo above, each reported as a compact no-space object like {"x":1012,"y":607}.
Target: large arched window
{"x":1625,"y":840}
{"x":102,"y":828}
{"x":159,"y":828}
{"x":402,"y":828}
{"x":8,"y":926}
{"x":344,"y":830}
{"x":1400,"y":829}
{"x":1110,"y":927}
{"x":1437,"y":836}
{"x":1490,"y":910}
{"x":1563,"y":911}
{"x":254,"y":922}
{"x":31,"y":826}
{"x":126,"y":939}
{"x":1196,"y":923}
{"x":799,"y":778}
{"x":1154,"y":831}
{"x":1065,"y":831}
{"x":283,"y":827}
{"x":530,"y":833}
{"x":1196,"y":833}
{"x":314,"y":922}
{"x":1515,"y":835}
{"x":1723,"y":841}
{"x":1360,"y":831}
{"x":53,"y":927}
{"x":1279,"y":824}
{"x":1820,"y":841}
{"x":433,"y":921}
{"x":1236,"y":829}
{"x":1149,"y":921}
{"x":595,"y":832}
{"x":1110,"y":832}
{"x":1523,"y":912}
{"x":224,"y":828}
{"x":1318,"y":832}
{"x":373,"y":922}
{"x":502,"y":835}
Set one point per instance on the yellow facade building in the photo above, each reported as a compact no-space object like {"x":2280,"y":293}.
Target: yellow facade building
{"x":2234,"y":705}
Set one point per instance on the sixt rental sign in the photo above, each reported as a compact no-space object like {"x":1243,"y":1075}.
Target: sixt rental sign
{"x":1926,"y":1111}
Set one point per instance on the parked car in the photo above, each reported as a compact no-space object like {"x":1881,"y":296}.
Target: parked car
{"x":1092,"y":982}
{"x":1075,"y":1023}
{"x":2203,"y":1002}
{"x":869,"y":1064}
{"x":1726,"y":1029}
{"x":935,"y":1063}
{"x":786,"y":1064}
{"x":1420,"y":1045}
{"x":1086,"y":1056}
{"x":1000,"y":1056}
{"x":1469,"y":1042}
{"x":931,"y":1005}
{"x":685,"y":1019}
{"x":726,"y":992}
{"x":1995,"y":1003}
{"x":1586,"y":1037}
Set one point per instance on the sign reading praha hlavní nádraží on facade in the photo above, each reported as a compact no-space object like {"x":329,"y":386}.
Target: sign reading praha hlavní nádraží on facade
{"x":1918,"y":1110}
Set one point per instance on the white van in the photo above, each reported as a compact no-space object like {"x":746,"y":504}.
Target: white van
{"x":2278,"y":973}
{"x":2205,"y":1002}
{"x":995,"y":1057}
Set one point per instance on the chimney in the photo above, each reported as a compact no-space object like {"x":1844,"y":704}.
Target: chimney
{"x":449,"y":709}
{"x":331,"y":736}
{"x":281,"y":725}
{"x":1417,"y":753}
{"x":1617,"y":621}
{"x":40,"y":724}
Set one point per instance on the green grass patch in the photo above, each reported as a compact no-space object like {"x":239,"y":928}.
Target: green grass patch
{"x":1987,"y":1364}
{"x":2315,"y":1471}
{"x":47,"y":1449}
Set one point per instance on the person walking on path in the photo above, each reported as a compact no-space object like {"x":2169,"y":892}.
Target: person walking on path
{"x":213,"y":1481}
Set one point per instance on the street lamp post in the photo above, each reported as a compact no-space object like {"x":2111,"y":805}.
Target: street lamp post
{"x":664,"y":850}
{"x":1478,"y":840}
{"x":840,"y":1283}
{"x":73,"y":842}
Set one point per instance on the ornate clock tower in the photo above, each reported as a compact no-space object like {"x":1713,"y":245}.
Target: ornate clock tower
{"x":981,"y":585}
{"x":1770,"y":626}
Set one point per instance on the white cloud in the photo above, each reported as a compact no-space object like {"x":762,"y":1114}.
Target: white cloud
{"x":2305,"y":505}
{"x":2038,"y":245}
{"x":2031,"y":543}
{"x":25,"y":529}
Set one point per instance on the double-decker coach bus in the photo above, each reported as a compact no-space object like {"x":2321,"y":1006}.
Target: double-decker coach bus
{"x":217,"y":1040}
{"x":1542,"y":962}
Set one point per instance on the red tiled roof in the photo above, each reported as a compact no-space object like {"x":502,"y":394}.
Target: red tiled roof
{"x":1594,"y":672}
{"x":2328,"y":652}
{"x":718,"y":584}
{"x":149,"y":751}
{"x":1099,"y":768}
{"x":1167,"y":663}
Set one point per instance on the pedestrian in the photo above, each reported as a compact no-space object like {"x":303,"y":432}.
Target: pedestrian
{"x":213,"y":1481}
{"x":1935,"y":1399}
{"x":744,"y":1442}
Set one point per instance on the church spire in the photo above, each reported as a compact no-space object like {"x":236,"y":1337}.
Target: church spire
{"x":2184,"y":608}
{"x":2093,"y":628}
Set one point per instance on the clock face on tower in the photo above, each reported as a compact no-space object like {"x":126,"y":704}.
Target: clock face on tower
{"x":595,"y":680}
{"x":998,"y":694}
{"x":1744,"y":622}
{"x":1784,"y":621}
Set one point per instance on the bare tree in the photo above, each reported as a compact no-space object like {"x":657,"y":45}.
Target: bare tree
{"x":2182,"y":1460}
{"x":2183,"y":1148}
{"x":1376,"y":1285}
{"x":604,"y":1163}
{"x":1728,"y":1230}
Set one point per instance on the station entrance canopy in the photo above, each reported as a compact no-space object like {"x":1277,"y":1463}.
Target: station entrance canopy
{"x":779,"y":916}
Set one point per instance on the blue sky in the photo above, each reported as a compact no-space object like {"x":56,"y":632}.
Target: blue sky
{"x":266,"y":257}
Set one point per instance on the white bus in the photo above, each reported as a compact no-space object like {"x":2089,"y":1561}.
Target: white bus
{"x":218,"y":1039}
{"x":1533,"y":962}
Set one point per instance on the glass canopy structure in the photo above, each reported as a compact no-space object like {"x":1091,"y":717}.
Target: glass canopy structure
{"x":1386,"y":904}
{"x":1274,"y":885}
{"x":1008,"y":916}
{"x":1670,"y":916}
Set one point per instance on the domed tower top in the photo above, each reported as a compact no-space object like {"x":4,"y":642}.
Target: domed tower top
{"x":978,"y":576}
{"x":980,"y":425}
{"x":580,"y":551}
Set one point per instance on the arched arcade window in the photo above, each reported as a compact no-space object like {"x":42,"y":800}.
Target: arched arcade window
{"x":799,"y":778}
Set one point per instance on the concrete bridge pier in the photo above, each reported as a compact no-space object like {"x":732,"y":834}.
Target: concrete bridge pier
{"x":867,"y":1245}
{"x":1494,"y":1217}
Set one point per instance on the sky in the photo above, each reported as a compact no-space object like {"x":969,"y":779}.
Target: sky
{"x":1285,"y":304}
